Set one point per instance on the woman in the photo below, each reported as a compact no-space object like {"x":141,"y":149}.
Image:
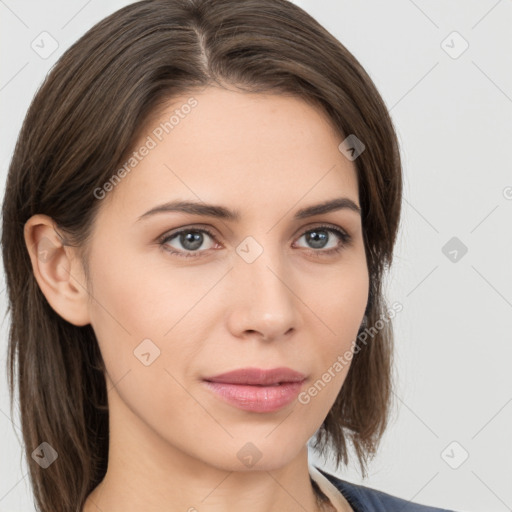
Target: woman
{"x":201,"y":206}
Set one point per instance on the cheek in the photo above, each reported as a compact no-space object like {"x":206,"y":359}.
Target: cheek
{"x":136,"y":320}
{"x":141,"y":314}
{"x":339,"y":300}
{"x":123,"y":310}
{"x":337,"y":311}
{"x":134,"y":298}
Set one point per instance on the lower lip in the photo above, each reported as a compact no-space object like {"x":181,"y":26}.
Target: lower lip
{"x":257,"y":398}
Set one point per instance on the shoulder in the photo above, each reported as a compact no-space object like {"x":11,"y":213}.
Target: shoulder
{"x":363,"y":498}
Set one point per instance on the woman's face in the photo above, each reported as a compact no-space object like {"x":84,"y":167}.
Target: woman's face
{"x":265,"y":290}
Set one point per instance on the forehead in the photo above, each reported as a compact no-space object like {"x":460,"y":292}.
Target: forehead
{"x":256,"y":153}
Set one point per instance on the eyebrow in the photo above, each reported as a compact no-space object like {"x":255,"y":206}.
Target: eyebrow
{"x":221,"y":212}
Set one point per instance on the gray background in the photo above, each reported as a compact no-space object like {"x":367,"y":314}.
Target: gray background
{"x":453,"y":115}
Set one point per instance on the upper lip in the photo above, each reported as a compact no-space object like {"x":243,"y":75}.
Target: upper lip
{"x":258,"y":376}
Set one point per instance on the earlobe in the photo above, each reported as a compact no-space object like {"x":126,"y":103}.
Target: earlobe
{"x":57,"y":270}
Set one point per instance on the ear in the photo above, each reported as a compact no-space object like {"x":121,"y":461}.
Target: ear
{"x":57,"y":270}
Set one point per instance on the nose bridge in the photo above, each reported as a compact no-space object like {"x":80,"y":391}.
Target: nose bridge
{"x":264,"y":287}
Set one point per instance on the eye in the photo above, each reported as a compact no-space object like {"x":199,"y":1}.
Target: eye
{"x":318,"y":238}
{"x":192,"y":239}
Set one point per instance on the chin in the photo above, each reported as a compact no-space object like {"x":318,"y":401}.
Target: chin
{"x":251,"y":454}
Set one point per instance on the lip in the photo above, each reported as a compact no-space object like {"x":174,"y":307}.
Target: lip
{"x":258,"y":376}
{"x":256,"y":389}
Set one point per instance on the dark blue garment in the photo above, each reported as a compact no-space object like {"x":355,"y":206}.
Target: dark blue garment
{"x":364,"y":499}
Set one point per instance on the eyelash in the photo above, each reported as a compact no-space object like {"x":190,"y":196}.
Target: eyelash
{"x":345,"y":238}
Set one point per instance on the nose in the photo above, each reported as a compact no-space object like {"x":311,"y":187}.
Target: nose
{"x":263,"y":302}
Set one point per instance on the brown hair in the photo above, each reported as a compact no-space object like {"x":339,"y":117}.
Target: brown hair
{"x":85,"y":119}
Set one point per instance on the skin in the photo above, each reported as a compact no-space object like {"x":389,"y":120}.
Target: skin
{"x":173,"y":442}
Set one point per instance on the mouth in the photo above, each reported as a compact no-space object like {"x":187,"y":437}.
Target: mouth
{"x":256,"y":389}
